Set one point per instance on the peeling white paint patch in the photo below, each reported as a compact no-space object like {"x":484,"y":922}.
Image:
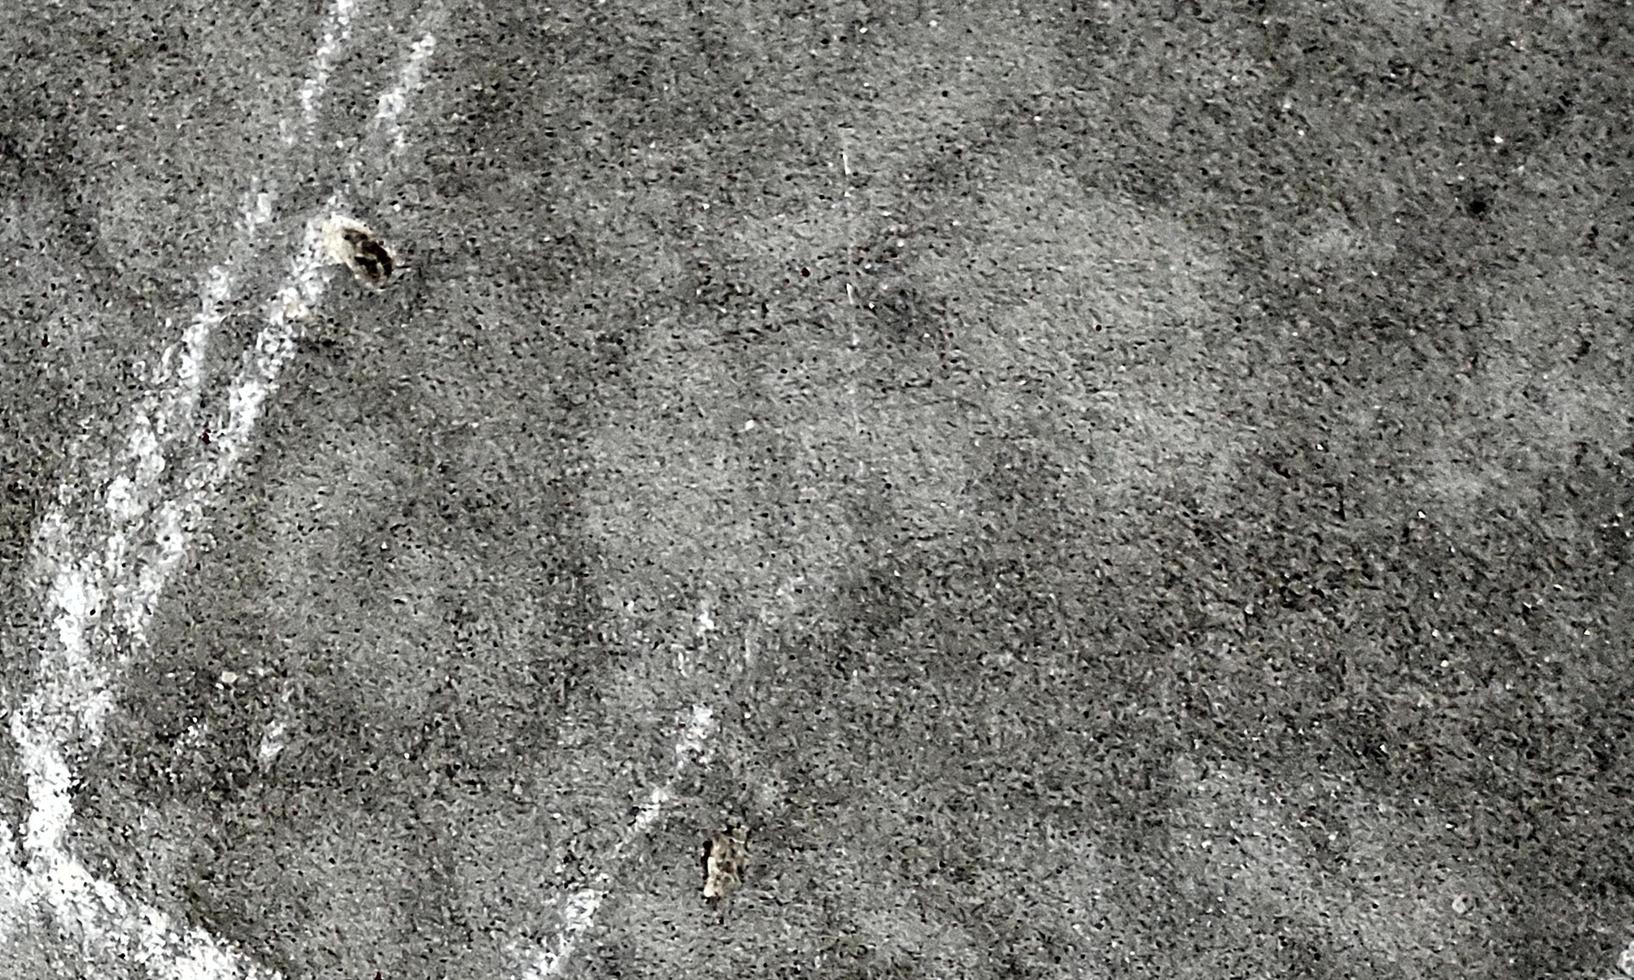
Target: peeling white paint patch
{"x":257,"y":211}
{"x":275,"y":736}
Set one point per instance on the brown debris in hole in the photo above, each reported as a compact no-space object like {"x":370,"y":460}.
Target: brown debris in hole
{"x":354,"y":244}
{"x":725,"y":856}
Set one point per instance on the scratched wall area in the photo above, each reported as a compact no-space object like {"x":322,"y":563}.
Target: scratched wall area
{"x":1041,"y":490}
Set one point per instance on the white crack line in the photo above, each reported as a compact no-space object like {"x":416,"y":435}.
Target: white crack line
{"x":74,"y":693}
{"x":580,"y":908}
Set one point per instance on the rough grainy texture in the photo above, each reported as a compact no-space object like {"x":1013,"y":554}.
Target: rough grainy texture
{"x":1145,"y":489}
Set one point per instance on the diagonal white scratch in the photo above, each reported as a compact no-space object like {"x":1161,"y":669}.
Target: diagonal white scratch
{"x":337,"y":30}
{"x":389,"y":110}
{"x":100,"y":588}
{"x":581,"y":907}
{"x":1625,"y":961}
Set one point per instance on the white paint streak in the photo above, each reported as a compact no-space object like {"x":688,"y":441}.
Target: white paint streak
{"x":13,"y":883}
{"x":337,"y":29}
{"x":706,"y":621}
{"x":389,"y":110}
{"x":90,"y":580}
{"x":690,"y":746}
{"x":580,"y":908}
{"x":247,"y":396}
{"x":273,"y":737}
{"x":272,"y":742}
{"x":578,"y":916}
{"x":79,"y":591}
{"x":108,"y":925}
{"x":257,"y":379}
{"x":130,"y":932}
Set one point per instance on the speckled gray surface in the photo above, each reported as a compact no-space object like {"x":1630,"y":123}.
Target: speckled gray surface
{"x":1119,"y":490}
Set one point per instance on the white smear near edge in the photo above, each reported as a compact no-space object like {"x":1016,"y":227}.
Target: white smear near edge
{"x":1625,"y":960}
{"x":114,"y":928}
{"x":580,"y":908}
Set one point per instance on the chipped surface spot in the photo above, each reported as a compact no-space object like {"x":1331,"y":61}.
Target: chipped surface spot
{"x":349,"y":242}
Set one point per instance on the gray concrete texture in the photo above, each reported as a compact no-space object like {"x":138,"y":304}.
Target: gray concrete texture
{"x":1143,"y":490}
